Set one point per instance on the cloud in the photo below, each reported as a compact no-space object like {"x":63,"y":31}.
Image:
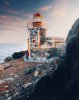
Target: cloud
{"x":58,"y":18}
{"x":29,"y":16}
{"x":11,"y":37}
{"x":45,"y":8}
{"x":60,"y":9}
{"x":10,"y":11}
{"x":3,"y":7}
{"x":13,"y":23}
{"x":13,"y":12}
{"x":62,"y":16}
{"x":7,"y":2}
{"x":60,"y":12}
{"x":12,"y":28}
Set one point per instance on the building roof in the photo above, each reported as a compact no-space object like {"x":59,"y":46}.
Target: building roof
{"x":37,"y":15}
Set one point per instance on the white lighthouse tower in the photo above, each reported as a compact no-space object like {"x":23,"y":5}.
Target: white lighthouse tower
{"x":36,"y":34}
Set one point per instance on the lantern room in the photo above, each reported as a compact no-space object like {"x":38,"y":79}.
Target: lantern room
{"x":37,"y":17}
{"x":37,"y":20}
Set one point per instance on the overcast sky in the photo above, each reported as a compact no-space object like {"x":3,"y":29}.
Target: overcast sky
{"x":14,"y":15}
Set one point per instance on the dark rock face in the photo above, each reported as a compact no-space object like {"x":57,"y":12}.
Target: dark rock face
{"x":18,"y":55}
{"x":74,"y":32}
{"x":64,"y":85}
{"x":8,"y":59}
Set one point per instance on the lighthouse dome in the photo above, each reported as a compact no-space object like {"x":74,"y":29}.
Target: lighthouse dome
{"x":37,"y":15}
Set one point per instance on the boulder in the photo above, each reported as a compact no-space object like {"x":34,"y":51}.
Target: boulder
{"x":8,"y":59}
{"x":29,"y":70}
{"x":18,"y":55}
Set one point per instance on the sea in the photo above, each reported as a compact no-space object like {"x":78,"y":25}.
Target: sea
{"x":7,"y":49}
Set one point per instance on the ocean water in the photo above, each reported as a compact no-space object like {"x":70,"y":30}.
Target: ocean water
{"x":7,"y":49}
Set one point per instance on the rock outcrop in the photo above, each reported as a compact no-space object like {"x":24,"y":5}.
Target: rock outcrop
{"x":18,"y":55}
{"x":8,"y":59}
{"x":74,"y":32}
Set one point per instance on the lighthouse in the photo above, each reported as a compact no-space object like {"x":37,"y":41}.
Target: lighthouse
{"x":36,"y":33}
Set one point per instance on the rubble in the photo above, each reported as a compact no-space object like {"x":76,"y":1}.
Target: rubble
{"x":26,"y":85}
{"x":36,"y":73}
{"x":41,"y":70}
{"x":2,"y":81}
{"x":9,"y":79}
{"x":9,"y":98}
{"x":1,"y":67}
{"x":7,"y":65}
{"x":28,"y":71}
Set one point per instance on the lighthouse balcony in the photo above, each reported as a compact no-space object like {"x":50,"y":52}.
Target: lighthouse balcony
{"x":37,"y":24}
